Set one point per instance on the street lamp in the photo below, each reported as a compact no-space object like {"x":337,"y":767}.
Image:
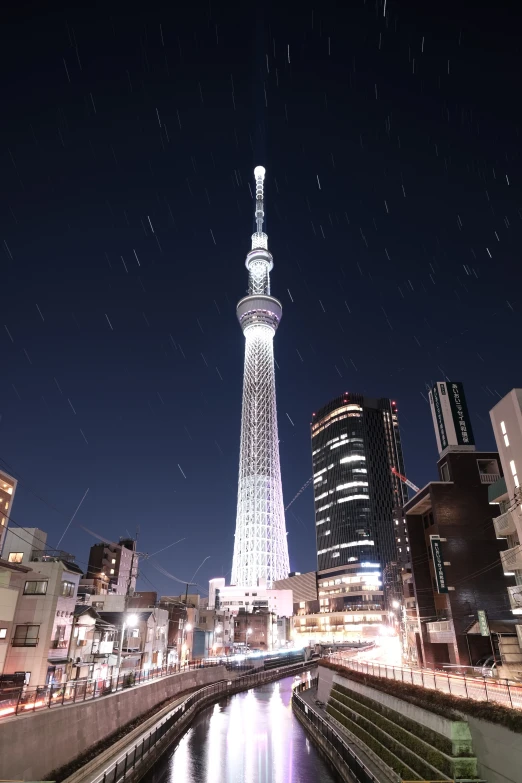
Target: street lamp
{"x":395,"y":604}
{"x":129,"y":621}
{"x":187,"y":628}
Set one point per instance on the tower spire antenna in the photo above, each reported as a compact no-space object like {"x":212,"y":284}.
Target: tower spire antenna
{"x":259,"y":238}
{"x":260,"y":545}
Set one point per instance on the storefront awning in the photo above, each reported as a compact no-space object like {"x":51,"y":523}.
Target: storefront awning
{"x":494,"y":627}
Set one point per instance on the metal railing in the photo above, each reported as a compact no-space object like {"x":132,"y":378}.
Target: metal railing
{"x":505,"y":523}
{"x":30,"y":699}
{"x":119,"y":767}
{"x":489,"y":478}
{"x":336,"y":742}
{"x":512,"y":558}
{"x":478,"y":688}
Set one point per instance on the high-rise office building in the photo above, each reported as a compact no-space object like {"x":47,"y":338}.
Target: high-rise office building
{"x":7,"y":493}
{"x":355,"y":445}
{"x":260,"y":546}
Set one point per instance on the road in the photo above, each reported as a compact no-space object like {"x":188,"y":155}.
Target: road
{"x":378,"y":661}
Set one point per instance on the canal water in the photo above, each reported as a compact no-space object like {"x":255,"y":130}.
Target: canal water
{"x":251,"y":737}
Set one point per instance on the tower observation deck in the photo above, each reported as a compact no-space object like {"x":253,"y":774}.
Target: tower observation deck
{"x":260,"y":545}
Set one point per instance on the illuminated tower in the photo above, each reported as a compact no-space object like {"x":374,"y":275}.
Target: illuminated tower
{"x":260,"y":545}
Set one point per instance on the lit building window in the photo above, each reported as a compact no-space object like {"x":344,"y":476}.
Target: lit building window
{"x":112,"y":570}
{"x":514,"y":472}
{"x":352,"y":497}
{"x":35,"y":588}
{"x":113,"y":560}
{"x":352,"y":484}
{"x":15,"y":557}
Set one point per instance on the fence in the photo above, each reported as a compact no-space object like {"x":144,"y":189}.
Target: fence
{"x":117,"y":769}
{"x":337,"y":744}
{"x":29,"y":699}
{"x":479,"y":689}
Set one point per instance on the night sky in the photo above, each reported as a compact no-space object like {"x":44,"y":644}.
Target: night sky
{"x":129,"y":133}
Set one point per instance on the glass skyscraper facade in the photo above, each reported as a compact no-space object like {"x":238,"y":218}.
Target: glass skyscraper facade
{"x":355,"y":444}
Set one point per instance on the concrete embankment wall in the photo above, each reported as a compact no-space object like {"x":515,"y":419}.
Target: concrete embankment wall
{"x":33,"y":745}
{"x":498,"y":749}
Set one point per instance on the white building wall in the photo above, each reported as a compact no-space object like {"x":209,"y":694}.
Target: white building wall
{"x":234,"y":597}
{"x":509,"y":444}
{"x":11,"y":583}
{"x":23,"y":541}
{"x":47,"y":611}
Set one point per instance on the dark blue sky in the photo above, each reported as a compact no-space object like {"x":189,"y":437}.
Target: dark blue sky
{"x":393,"y":206}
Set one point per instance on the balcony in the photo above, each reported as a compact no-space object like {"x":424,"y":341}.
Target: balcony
{"x":102,"y":648}
{"x":505,"y":524}
{"x":441,"y":632}
{"x":51,"y":556}
{"x":58,"y":649}
{"x":512,"y":559}
{"x":515,"y":598}
{"x":489,"y":478}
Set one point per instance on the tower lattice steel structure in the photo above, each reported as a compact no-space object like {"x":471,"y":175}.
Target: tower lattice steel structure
{"x":260,"y":546}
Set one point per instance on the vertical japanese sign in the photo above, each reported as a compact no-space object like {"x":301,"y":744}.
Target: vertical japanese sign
{"x":438,"y":419}
{"x":483,"y":622}
{"x":460,"y":414}
{"x":450,"y":415}
{"x":438,"y":563}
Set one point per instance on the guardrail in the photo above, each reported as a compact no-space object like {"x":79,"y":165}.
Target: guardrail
{"x":30,"y":699}
{"x":117,"y":770}
{"x":337,"y":744}
{"x":480,"y":689}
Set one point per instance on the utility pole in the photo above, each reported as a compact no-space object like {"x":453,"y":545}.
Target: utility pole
{"x":125,"y":606}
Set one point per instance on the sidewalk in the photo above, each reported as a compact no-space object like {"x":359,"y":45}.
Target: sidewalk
{"x":96,"y":767}
{"x":310,"y":697}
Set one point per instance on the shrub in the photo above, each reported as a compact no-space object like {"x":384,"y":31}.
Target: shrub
{"x":401,"y":769}
{"x":440,"y":703}
{"x":394,"y":745}
{"x":418,"y":746}
{"x":427,"y":735}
